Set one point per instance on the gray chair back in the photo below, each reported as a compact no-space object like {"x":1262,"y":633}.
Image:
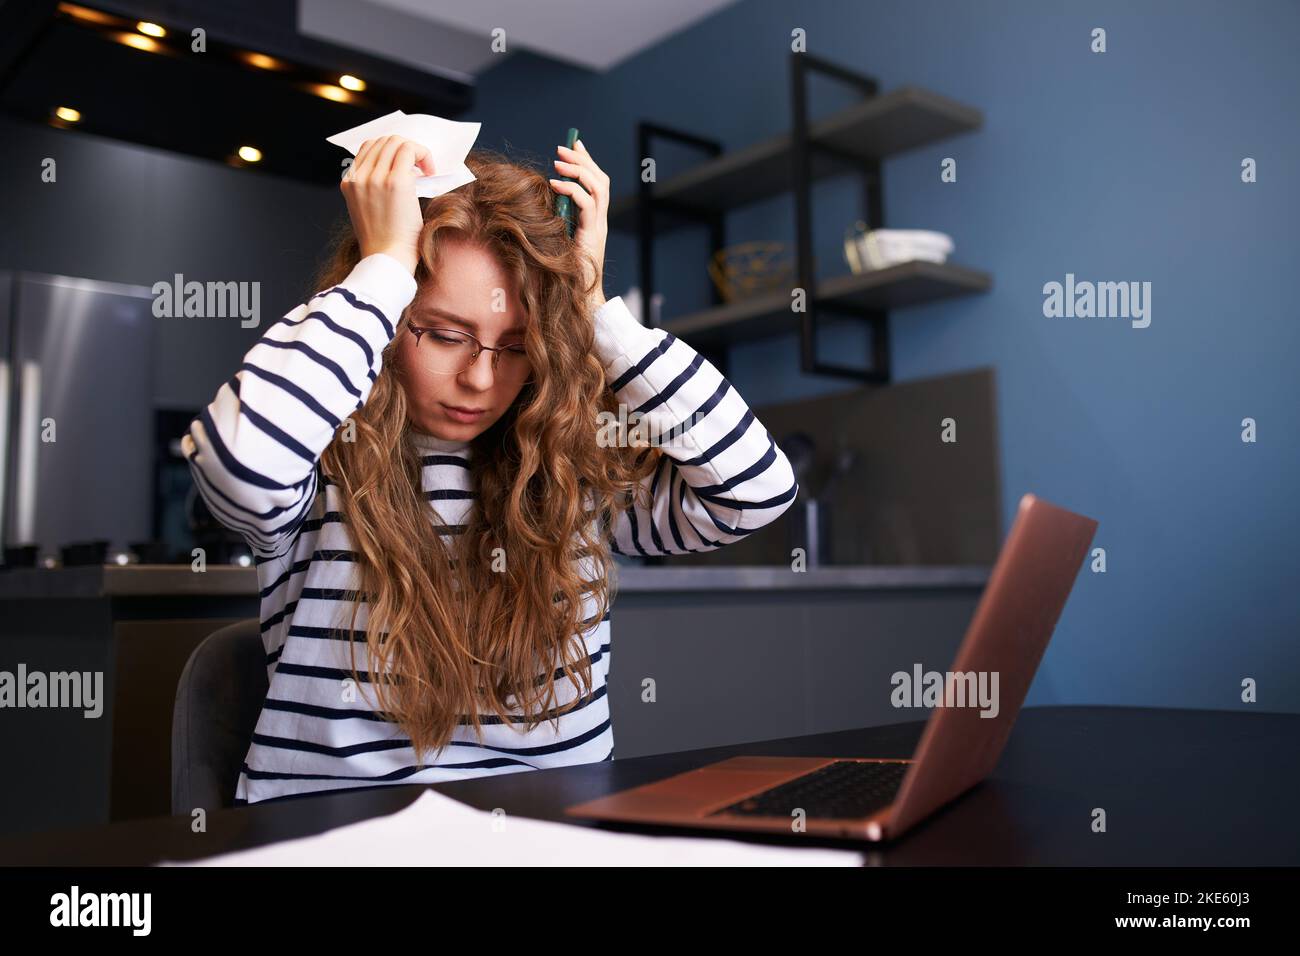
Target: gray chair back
{"x":218,"y":701}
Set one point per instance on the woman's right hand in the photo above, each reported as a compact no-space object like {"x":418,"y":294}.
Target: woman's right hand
{"x":380,"y":192}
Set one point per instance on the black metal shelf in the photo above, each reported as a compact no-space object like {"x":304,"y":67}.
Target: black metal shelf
{"x":852,"y":140}
{"x":906,"y":118}
{"x":908,"y":283}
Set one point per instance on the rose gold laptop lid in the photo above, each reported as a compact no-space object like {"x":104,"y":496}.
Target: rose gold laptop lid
{"x":1007,"y":636}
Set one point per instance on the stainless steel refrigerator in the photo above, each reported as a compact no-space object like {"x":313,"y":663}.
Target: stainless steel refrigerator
{"x":76,"y":412}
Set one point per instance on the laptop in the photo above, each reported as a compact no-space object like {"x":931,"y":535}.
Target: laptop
{"x":880,"y":798}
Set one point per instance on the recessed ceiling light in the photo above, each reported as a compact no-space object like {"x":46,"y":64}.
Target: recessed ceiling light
{"x":150,"y":29}
{"x":68,"y":114}
{"x":262,"y":61}
{"x":329,"y":92}
{"x":250,"y":154}
{"x":85,"y":13}
{"x":139,"y":42}
{"x":350,"y":82}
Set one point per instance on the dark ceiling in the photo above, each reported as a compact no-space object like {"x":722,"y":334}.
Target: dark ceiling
{"x":205,"y":104}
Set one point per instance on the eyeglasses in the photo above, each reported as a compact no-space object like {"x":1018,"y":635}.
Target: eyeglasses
{"x":451,"y":351}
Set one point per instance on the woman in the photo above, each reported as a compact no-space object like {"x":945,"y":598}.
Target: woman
{"x":416,"y":458}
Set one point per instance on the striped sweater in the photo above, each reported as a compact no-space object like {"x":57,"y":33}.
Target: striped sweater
{"x":253,"y":453}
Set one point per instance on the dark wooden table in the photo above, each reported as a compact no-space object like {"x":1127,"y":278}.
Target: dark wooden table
{"x":1179,"y":787}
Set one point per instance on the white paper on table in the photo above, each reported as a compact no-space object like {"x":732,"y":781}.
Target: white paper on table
{"x":448,"y":141}
{"x":436,"y":830}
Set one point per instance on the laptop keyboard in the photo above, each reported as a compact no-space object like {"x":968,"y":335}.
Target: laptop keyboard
{"x":845,"y":788}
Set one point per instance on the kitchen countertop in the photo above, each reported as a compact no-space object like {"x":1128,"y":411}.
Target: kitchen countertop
{"x":141,"y":580}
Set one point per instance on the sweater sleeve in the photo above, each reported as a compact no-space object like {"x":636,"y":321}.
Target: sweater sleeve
{"x":722,"y":477}
{"x":253,"y":450}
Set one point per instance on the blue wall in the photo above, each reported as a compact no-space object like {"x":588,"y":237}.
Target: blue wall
{"x":1116,"y":166}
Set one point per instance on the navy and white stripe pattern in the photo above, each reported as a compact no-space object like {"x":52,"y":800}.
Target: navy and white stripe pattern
{"x":254,"y":451}
{"x":722,"y":477}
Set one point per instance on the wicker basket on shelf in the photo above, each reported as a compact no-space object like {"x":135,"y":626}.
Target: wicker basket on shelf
{"x":751,"y":268}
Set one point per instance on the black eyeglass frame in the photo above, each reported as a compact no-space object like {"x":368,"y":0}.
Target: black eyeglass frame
{"x":479,"y":348}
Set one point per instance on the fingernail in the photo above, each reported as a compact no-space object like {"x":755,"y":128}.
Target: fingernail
{"x":578,"y":142}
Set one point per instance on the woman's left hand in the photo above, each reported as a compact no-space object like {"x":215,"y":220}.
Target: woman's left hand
{"x":591,"y":195}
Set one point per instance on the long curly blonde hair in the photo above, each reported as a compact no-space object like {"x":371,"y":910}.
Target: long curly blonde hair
{"x":451,"y":634}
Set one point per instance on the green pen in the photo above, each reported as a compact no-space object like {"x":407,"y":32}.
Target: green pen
{"x":564,"y":207}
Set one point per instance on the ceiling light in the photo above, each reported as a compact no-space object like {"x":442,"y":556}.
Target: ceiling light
{"x":262,"y":61}
{"x":138,"y":41}
{"x":85,"y":13}
{"x":335,"y":93}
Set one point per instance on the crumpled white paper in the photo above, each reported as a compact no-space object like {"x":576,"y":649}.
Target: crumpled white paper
{"x":448,"y":141}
